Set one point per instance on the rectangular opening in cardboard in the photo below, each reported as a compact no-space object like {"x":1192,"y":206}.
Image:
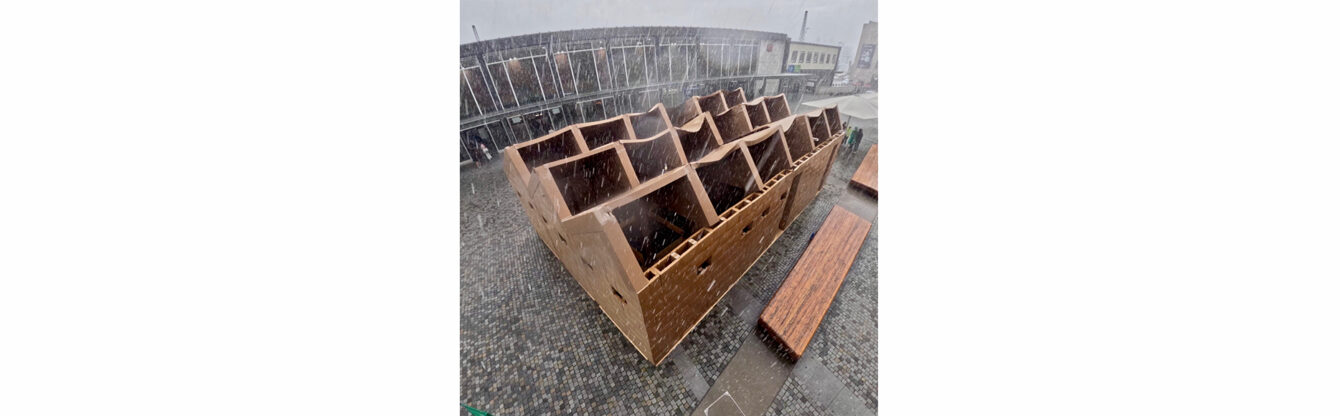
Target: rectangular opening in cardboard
{"x":657,"y":222}
{"x":698,"y":143}
{"x":591,"y":180}
{"x":777,"y":107}
{"x":714,"y":104}
{"x":770,"y":156}
{"x":735,"y":96}
{"x":798,"y":138}
{"x":819,"y":127}
{"x":683,"y":113}
{"x":605,"y":132}
{"x":834,"y":119}
{"x":727,"y":180}
{"x":732,"y":124}
{"x":758,"y":114}
{"x":559,"y":146}
{"x":648,"y":124}
{"x":653,"y":157}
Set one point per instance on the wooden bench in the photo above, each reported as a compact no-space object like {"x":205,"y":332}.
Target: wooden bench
{"x":795,"y":311}
{"x":867,"y":175}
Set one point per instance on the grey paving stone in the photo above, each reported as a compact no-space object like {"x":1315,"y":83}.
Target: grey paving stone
{"x":746,"y":307}
{"x":688,"y":370}
{"x":791,"y":402}
{"x":847,"y":404}
{"x":723,"y":405}
{"x":819,"y":384}
{"x":752,"y":379}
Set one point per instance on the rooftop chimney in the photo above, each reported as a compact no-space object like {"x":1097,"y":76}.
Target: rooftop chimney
{"x":803,"y":23}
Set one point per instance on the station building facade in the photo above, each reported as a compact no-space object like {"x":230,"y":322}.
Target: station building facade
{"x":814,"y":58}
{"x":518,"y":88}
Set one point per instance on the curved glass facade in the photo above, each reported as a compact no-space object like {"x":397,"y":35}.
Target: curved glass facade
{"x":519,"y":88}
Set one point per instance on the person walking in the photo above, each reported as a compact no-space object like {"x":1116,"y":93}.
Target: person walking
{"x":846,"y":132}
{"x":856,"y":140}
{"x":849,"y":135}
{"x":478,"y":150}
{"x":848,"y":139}
{"x":853,"y":142}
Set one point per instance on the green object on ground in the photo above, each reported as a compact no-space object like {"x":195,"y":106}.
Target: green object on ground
{"x":474,"y":411}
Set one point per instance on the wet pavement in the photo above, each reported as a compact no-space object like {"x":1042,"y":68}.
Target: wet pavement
{"x":533,"y":342}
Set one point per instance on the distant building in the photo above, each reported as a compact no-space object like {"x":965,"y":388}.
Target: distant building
{"x":518,"y":88}
{"x":813,"y":58}
{"x":864,"y":68}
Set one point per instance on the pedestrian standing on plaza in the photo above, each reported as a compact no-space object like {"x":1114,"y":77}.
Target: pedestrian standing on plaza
{"x":856,"y":140}
{"x":478,"y":150}
{"x":851,"y":138}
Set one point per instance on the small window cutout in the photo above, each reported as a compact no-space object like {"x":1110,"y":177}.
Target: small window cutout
{"x":683,"y":248}
{"x":560,"y":237}
{"x":587,"y":263}
{"x":617,"y":295}
{"x":702,"y":268}
{"x":660,"y":266}
{"x":747,"y":228}
{"x":765,"y":212}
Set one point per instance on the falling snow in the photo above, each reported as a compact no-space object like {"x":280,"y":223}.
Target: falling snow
{"x":534,"y":342}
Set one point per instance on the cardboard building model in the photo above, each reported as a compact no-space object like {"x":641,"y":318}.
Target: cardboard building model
{"x":658,"y":214}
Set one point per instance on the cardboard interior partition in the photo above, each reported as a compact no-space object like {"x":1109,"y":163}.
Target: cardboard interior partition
{"x":699,"y":137}
{"x":650,"y":123}
{"x":655,"y":156}
{"x":714,"y":103}
{"x":778,"y":107}
{"x":733,"y":123}
{"x":758,"y":113}
{"x":734,"y":97}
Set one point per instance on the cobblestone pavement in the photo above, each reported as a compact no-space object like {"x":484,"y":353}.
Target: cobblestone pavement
{"x":792,"y":402}
{"x":533,"y":342}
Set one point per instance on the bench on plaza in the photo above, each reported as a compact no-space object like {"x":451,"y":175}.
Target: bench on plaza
{"x":866,"y":178}
{"x":795,"y":311}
